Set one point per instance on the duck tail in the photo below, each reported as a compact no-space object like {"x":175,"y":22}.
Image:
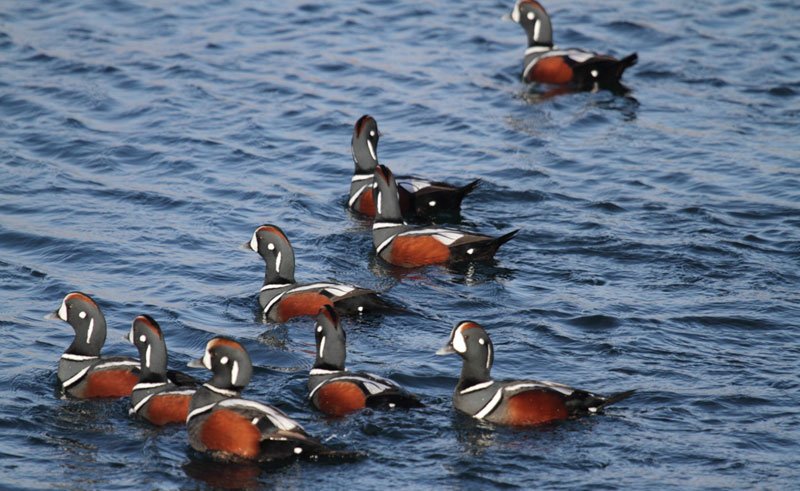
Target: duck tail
{"x":614,"y":398}
{"x":496,"y":243}
{"x":626,"y":62}
{"x":465,"y":190}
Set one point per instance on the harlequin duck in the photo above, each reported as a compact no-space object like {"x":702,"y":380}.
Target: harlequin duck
{"x":399,"y":244}
{"x":337,"y":392}
{"x":548,"y":64}
{"x":82,"y":372}
{"x":520,"y":403}
{"x":229,"y":428}
{"x":156,"y":398}
{"x":281,"y":298}
{"x":419,"y":199}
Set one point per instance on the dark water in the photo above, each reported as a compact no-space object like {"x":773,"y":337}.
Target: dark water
{"x":142,"y":142}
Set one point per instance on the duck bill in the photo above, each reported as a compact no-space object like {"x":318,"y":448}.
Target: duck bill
{"x":198,"y":363}
{"x":447,"y":350}
{"x":52,"y":316}
{"x":246,"y":247}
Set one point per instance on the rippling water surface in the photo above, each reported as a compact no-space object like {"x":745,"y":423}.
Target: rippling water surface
{"x":141,"y":142}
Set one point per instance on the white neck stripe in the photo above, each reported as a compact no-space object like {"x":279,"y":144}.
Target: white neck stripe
{"x":89,"y":332}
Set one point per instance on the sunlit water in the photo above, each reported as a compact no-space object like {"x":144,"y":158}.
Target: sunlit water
{"x":142,"y":142}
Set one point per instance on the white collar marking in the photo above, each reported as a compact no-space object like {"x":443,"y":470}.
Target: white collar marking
{"x":152,"y":385}
{"x":380,"y":225}
{"x":361,"y":177}
{"x":224,"y":392}
{"x":71,"y":357}
{"x":477,"y":387}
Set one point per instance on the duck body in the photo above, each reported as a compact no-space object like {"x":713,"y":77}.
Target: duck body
{"x":337,"y":392}
{"x":517,"y":402}
{"x":402,"y":245}
{"x":82,"y":372}
{"x":281,"y":298}
{"x":546,"y":63}
{"x":229,"y":428}
{"x":157,"y":397}
{"x":420,"y":199}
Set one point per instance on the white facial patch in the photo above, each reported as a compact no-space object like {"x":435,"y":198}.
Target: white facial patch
{"x":481,"y":341}
{"x":371,"y":150}
{"x":207,"y":359}
{"x":515,"y":13}
{"x":224,"y":360}
{"x":459,"y":343}
{"x":62,"y":311}
{"x":470,"y":251}
{"x":142,"y":338}
{"x":322,"y":347}
{"x":594,"y":73}
{"x":371,"y":132}
{"x":278,"y":263}
{"x":530,"y":17}
{"x":319,"y":328}
{"x":361,"y":308}
{"x":488,"y":356}
{"x":298,"y":450}
{"x":271,"y":246}
{"x":82,"y":314}
{"x":537,"y":26}
{"x":254,"y":241}
{"x":147,"y":356}
{"x":234,"y":372}
{"x":431,"y":203}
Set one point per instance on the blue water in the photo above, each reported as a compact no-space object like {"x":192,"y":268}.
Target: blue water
{"x":142,"y":142}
